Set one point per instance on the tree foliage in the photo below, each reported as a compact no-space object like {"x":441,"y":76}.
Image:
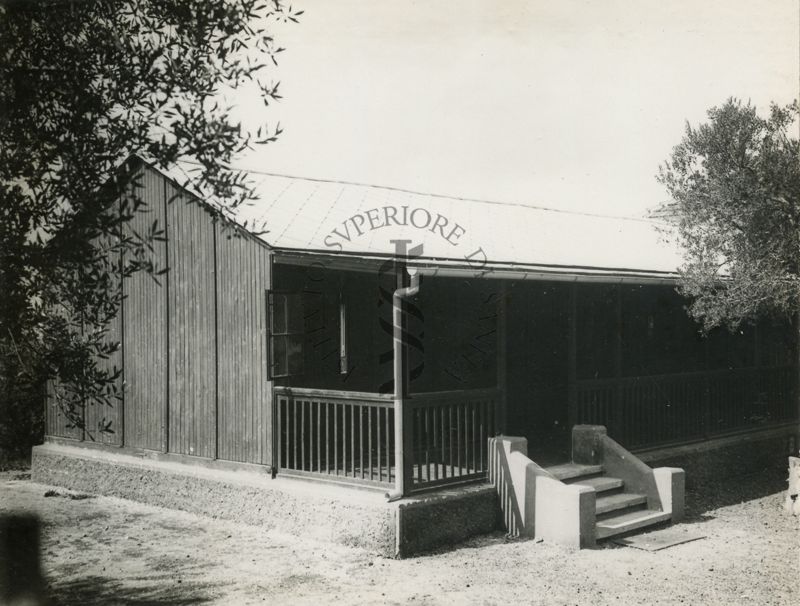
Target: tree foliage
{"x":84,"y":84}
{"x":735,"y":188}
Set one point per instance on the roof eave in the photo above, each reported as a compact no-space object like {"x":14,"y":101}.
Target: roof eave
{"x":504,"y":270}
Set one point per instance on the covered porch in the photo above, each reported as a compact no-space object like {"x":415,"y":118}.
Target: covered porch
{"x":499,"y":352}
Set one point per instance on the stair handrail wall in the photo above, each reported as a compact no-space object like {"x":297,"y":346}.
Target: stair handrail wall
{"x":534,"y":502}
{"x":663,"y":486}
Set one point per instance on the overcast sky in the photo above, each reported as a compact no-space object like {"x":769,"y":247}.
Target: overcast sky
{"x":570,"y":104}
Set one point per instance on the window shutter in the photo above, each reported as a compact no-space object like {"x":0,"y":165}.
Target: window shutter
{"x":286,"y":334}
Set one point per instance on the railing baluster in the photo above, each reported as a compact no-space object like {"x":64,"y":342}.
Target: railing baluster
{"x":464,"y":406}
{"x":352,"y":440}
{"x":474,"y":438}
{"x":471,"y":439}
{"x":336,"y":438}
{"x":369,"y":440}
{"x":426,"y":432}
{"x":361,"y":439}
{"x":281,"y":464}
{"x":435,"y":430}
{"x":303,"y":435}
{"x":460,"y":440}
{"x":323,"y":436}
{"x":486,"y":411}
{"x":327,"y":437}
{"x":482,"y":435}
{"x":416,"y":424}
{"x":310,"y":434}
{"x":389,"y":447}
{"x":319,"y":430}
{"x":420,"y":451}
{"x":468,"y":430}
{"x":442,"y":437}
{"x":284,"y":451}
{"x":423,"y":453}
{"x":294,"y":433}
{"x":342,"y":437}
{"x":380,"y":462}
{"x":430,"y":442}
{"x":289,"y":406}
{"x":450,"y":437}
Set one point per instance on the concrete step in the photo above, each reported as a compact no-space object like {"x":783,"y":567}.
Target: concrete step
{"x":628,"y":522}
{"x":569,"y":471}
{"x":614,"y":502}
{"x":600,"y":483}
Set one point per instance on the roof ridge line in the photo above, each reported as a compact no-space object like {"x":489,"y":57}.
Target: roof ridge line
{"x":446,"y":196}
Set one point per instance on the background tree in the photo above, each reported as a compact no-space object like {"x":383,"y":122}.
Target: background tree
{"x":735,"y":187}
{"x":84,"y":84}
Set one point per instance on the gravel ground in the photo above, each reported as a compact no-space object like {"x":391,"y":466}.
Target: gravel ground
{"x":100,"y":550}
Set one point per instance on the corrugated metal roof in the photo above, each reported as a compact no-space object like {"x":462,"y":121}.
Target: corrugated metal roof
{"x":326,"y":216}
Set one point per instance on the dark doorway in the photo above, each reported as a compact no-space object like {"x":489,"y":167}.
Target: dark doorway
{"x":538,"y":369}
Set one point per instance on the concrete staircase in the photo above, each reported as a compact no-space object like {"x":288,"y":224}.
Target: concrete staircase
{"x":605,"y":491}
{"x":617,"y":511}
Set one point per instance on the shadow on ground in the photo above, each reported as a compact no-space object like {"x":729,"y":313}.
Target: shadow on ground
{"x":709,"y":493}
{"x":97,"y":590}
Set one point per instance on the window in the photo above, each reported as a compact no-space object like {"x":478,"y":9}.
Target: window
{"x":287,"y":333}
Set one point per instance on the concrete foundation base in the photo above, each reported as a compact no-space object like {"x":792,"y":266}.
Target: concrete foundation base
{"x":729,"y":457}
{"x":327,"y":512}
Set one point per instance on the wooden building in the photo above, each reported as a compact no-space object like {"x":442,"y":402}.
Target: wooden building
{"x":277,"y":350}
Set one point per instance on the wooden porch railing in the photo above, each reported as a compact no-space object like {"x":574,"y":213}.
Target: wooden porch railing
{"x":340,"y":434}
{"x":349,"y":436}
{"x":661,"y":409}
{"x":450,"y":435}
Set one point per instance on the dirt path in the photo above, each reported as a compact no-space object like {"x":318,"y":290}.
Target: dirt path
{"x":103,"y":550}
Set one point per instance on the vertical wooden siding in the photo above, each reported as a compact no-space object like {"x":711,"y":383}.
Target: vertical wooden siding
{"x":244,"y":402}
{"x":98,"y":414}
{"x":194,"y":346}
{"x":55,"y":422}
{"x":95,"y":416}
{"x":192,"y":330}
{"x":145,"y":330}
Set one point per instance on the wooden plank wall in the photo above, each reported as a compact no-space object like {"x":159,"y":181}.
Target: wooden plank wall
{"x":244,"y":414}
{"x":97,"y":415}
{"x":192,"y":326}
{"x":145,"y":330}
{"x":194,"y":348}
{"x":55,"y":422}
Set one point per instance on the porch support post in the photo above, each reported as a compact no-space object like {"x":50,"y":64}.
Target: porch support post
{"x":756,"y":380}
{"x":572,"y":356}
{"x":501,"y":413}
{"x":616,"y":412}
{"x":797,"y":363}
{"x":706,"y":388}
